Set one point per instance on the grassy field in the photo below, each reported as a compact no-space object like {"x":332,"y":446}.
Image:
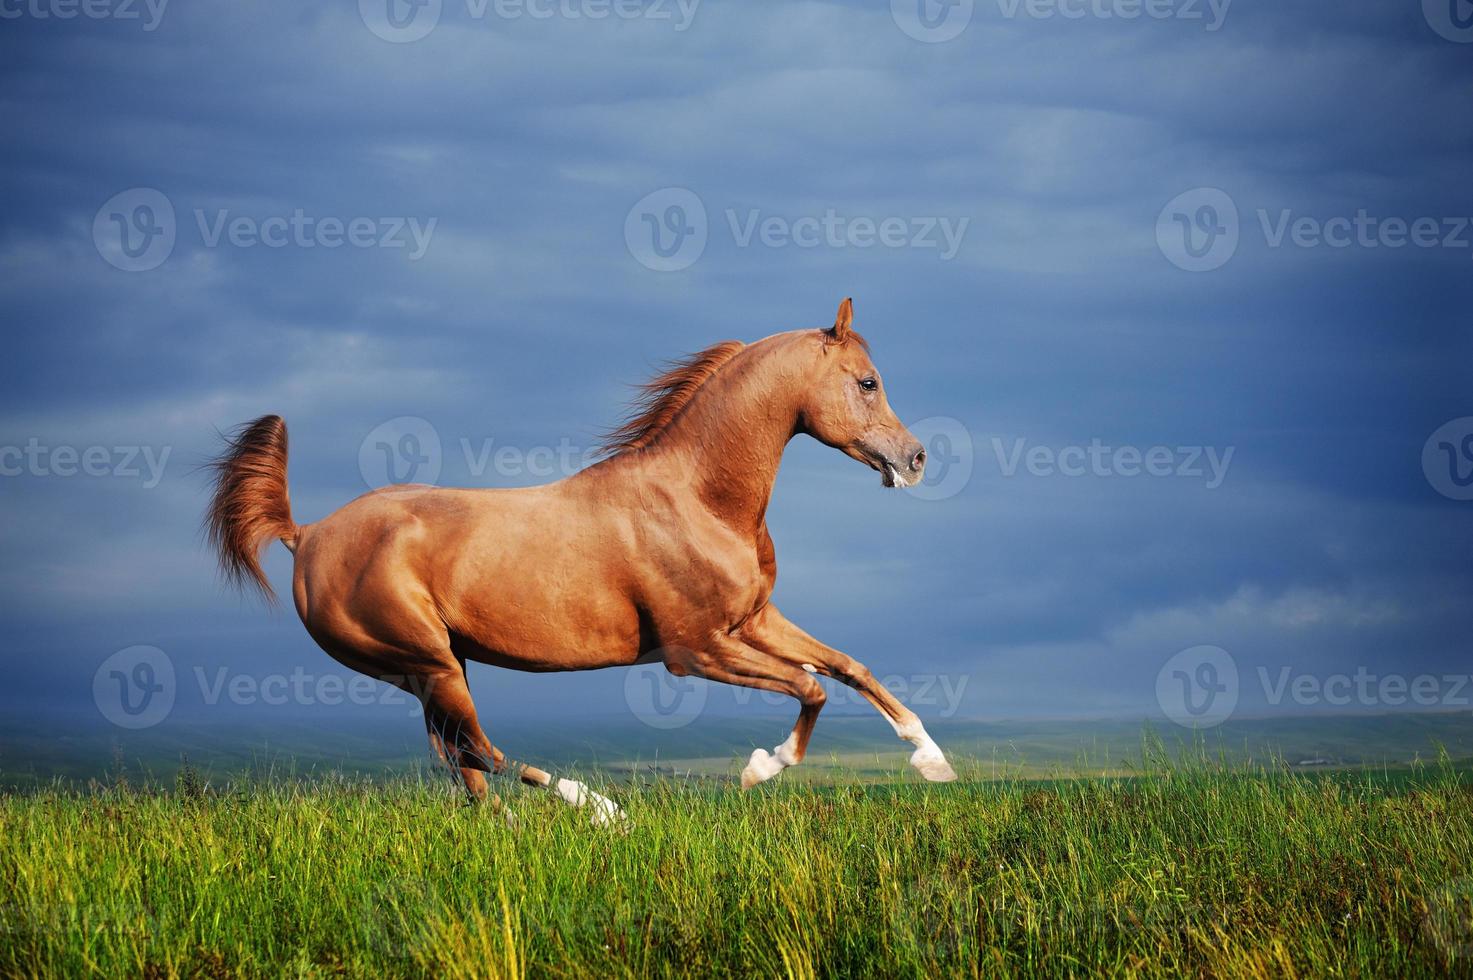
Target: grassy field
{"x":1189,"y":867}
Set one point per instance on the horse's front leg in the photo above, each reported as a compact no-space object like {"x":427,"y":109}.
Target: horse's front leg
{"x":771,"y":632}
{"x":727,"y":659}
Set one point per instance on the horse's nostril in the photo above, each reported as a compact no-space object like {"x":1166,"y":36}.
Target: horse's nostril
{"x":919,"y":460}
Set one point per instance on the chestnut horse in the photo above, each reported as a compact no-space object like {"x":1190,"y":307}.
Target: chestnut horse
{"x":659,"y":552}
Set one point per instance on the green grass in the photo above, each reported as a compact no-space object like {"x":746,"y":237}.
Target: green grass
{"x":1186,"y":868}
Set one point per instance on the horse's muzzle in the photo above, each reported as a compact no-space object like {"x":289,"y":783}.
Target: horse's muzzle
{"x":906,"y":471}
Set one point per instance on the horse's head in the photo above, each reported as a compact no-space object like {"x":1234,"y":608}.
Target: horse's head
{"x":845,"y":407}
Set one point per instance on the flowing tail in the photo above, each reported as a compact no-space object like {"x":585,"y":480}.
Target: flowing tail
{"x":250,"y":506}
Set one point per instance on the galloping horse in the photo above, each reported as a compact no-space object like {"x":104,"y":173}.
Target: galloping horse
{"x":659,"y":552}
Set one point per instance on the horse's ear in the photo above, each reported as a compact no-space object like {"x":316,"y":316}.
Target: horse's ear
{"x":840,"y":329}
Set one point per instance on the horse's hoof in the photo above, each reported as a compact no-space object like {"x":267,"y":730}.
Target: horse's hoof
{"x":760,"y":768}
{"x":932,"y":765}
{"x":603,"y":811}
{"x":607,"y":813}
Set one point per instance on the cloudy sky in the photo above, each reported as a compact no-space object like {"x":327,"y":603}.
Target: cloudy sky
{"x":1178,"y":293}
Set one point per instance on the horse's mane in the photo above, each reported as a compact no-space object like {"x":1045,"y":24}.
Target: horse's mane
{"x":661,"y":398}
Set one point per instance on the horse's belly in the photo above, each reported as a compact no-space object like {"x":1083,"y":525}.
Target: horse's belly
{"x":527,"y":627}
{"x":541,"y":659}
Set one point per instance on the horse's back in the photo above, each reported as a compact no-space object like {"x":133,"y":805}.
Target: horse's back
{"x":509,"y":576}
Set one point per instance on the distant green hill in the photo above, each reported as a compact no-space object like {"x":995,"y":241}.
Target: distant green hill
{"x":619,"y":745}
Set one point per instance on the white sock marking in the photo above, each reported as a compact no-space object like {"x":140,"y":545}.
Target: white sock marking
{"x":928,"y":759}
{"x":576,"y":794}
{"x":763,"y":765}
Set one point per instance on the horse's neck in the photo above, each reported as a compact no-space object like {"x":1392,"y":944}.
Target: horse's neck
{"x":730,"y":438}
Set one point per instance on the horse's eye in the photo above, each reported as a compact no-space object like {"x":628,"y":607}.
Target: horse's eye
{"x":869,"y":384}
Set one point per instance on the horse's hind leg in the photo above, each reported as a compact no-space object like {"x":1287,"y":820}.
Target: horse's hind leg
{"x":455,"y":734}
{"x":450,"y":712}
{"x":473,"y":780}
